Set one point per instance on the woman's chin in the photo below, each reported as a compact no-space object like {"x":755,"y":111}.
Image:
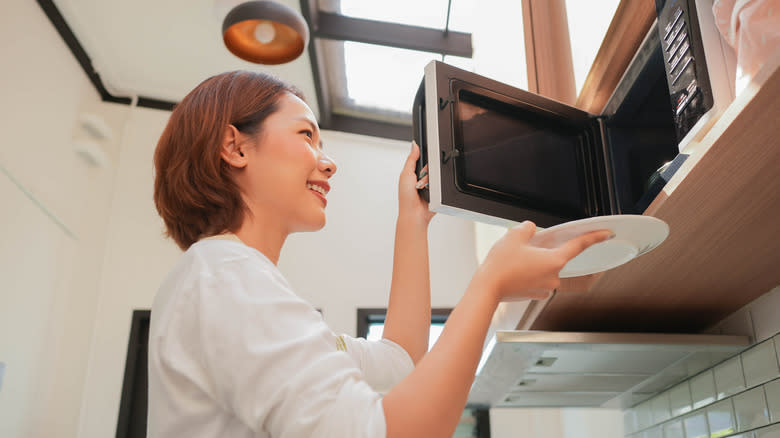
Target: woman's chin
{"x":314,"y":224}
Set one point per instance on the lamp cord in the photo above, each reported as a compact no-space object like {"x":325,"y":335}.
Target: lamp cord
{"x":447,"y":24}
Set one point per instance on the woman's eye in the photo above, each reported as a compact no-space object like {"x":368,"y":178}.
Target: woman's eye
{"x":308,"y":133}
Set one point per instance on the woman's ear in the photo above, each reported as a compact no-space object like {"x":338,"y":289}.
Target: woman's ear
{"x":232,"y":150}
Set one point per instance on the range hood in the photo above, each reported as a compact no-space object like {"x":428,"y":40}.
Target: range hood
{"x":567,"y":369}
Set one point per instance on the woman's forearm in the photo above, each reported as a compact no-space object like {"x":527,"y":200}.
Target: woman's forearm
{"x":429,"y":402}
{"x":409,"y":309}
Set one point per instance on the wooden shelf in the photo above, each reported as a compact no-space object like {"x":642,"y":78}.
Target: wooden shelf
{"x":723,"y":251}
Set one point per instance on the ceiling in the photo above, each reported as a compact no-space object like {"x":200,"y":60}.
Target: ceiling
{"x":162,"y":49}
{"x":159,"y":50}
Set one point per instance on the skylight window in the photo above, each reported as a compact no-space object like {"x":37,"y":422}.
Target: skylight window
{"x":383,"y":78}
{"x":586,"y":32}
{"x":425,"y":13}
{"x":377,"y":81}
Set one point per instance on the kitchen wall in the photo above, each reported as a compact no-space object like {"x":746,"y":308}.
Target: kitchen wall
{"x":556,"y":423}
{"x":738,"y":397}
{"x":54,"y":216}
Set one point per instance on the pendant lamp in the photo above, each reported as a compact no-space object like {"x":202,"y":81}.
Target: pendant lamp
{"x":265,"y":32}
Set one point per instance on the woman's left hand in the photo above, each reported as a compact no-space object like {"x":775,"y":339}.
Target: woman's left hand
{"x":410,"y":204}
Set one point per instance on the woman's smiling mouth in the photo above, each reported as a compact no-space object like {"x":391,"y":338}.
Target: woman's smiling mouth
{"x":320,"y":189}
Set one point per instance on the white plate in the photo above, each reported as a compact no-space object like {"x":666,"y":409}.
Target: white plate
{"x":634,"y":235}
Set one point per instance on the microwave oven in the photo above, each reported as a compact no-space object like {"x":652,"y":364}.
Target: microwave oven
{"x":501,"y":155}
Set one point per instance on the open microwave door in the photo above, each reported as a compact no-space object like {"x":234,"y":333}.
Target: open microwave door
{"x":502,"y":155}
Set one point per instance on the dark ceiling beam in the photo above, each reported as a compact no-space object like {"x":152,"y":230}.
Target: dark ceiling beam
{"x":373,"y":128}
{"x":311,"y":14}
{"x":67,"y":35}
{"x":339,"y":27}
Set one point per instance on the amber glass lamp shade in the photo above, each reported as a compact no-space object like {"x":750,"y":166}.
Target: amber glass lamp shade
{"x":265,"y":32}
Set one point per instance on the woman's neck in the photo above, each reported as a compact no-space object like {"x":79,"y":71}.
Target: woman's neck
{"x":262,"y":237}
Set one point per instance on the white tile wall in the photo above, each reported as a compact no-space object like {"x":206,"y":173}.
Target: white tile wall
{"x":760,"y":363}
{"x":680,"y":399}
{"x":660,"y":407}
{"x":696,"y":425}
{"x":777,"y":347}
{"x":629,"y":421}
{"x":772,"y":431}
{"x":737,"y":398}
{"x":739,"y":323}
{"x":720,"y":417}
{"x":703,"y":389}
{"x":644,"y":415}
{"x":763,"y":313}
{"x":751,"y":410}
{"x":729,"y":378}
{"x":674,"y":429}
{"x":758,"y":319}
{"x":655,"y":432}
{"x":772,"y":390}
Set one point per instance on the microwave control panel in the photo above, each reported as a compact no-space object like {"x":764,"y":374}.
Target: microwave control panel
{"x":686,"y":68}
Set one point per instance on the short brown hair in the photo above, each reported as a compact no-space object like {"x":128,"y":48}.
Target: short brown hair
{"x":194,"y":191}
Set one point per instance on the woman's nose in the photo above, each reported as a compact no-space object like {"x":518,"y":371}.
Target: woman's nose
{"x":327,"y":165}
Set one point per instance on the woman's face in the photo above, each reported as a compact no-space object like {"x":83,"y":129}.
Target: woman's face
{"x":286,"y":178}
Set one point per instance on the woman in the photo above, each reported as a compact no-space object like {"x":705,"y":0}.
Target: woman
{"x":234,"y":352}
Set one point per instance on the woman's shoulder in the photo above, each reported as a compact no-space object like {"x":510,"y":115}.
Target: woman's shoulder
{"x":231,"y":261}
{"x":219,"y":270}
{"x":218,"y":252}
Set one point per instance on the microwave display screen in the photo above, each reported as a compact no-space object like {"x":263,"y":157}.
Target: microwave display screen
{"x":521,"y":154}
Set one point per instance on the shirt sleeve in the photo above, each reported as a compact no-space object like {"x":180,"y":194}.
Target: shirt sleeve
{"x":273,"y":361}
{"x":383,"y":363}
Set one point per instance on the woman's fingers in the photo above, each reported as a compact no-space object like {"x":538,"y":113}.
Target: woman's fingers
{"x":412,"y":158}
{"x":524,"y":231}
{"x":423,"y":181}
{"x":575,"y":246}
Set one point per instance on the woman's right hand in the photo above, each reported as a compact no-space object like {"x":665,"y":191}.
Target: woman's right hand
{"x":515,"y":269}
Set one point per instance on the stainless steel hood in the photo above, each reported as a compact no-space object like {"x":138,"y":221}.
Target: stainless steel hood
{"x":617,"y":370}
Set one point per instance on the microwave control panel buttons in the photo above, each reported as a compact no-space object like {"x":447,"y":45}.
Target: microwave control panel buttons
{"x":679,"y":42}
{"x":668,"y":28}
{"x":685,"y":97}
{"x":686,"y":69}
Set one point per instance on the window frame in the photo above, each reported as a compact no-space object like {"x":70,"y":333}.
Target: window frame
{"x":330,"y":26}
{"x":365,"y":316}
{"x":476,"y":416}
{"x":133,"y":403}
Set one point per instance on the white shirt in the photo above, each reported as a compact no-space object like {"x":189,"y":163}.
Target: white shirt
{"x":233,"y":352}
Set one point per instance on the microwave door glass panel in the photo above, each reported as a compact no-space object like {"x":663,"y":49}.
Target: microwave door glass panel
{"x":516,"y":154}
